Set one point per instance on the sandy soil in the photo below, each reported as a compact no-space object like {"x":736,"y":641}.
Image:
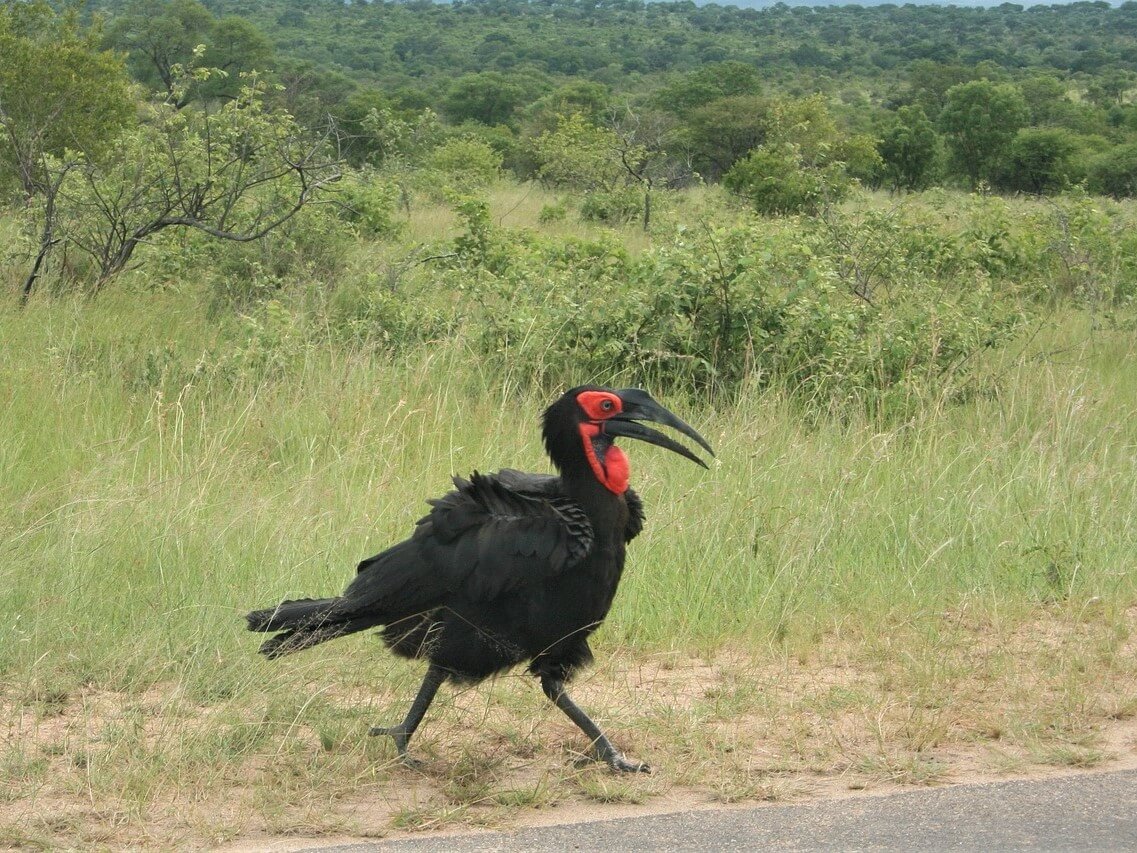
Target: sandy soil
{"x":1120,"y":738}
{"x":96,"y":768}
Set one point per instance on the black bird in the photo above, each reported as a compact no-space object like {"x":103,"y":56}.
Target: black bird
{"x":508,"y":567}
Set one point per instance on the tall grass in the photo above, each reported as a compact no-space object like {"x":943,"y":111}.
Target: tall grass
{"x":140,"y":522}
{"x":148,"y":499}
{"x":1015,"y":500}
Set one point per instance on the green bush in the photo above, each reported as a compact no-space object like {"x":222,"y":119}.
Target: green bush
{"x":616,"y":206}
{"x":1115,"y":172}
{"x":372,"y":315}
{"x":465,"y":164}
{"x":1042,"y":160}
{"x":717,"y":309}
{"x":909,"y":150}
{"x":1091,"y":252}
{"x":370,"y":204}
{"x":555,"y":212}
{"x":775,"y":180}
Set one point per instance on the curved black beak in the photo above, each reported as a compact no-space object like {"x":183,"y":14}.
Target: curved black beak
{"x":639,"y":406}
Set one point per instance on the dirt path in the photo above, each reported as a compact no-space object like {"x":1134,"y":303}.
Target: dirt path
{"x":1047,"y":808}
{"x":855,"y":717}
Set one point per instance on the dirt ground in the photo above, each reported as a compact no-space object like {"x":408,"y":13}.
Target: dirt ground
{"x":1121,"y":739}
{"x":158,"y":770}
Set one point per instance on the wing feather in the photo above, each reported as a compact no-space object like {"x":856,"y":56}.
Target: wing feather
{"x":635,"y":523}
{"x":489,"y":538}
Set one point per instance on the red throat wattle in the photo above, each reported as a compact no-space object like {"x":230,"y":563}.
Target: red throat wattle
{"x":613,"y":470}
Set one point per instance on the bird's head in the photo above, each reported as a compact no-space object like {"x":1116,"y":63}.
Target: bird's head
{"x":580,"y":429}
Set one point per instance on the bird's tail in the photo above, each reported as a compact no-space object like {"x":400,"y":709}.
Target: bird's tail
{"x":307,"y":622}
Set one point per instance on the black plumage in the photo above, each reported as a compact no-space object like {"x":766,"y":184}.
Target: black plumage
{"x":506,"y":568}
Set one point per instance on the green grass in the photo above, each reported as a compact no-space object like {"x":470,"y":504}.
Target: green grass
{"x":140,"y":525}
{"x":861,"y":594}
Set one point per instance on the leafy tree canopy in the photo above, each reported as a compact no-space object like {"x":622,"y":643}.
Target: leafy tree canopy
{"x":58,"y":90}
{"x":980,"y":119}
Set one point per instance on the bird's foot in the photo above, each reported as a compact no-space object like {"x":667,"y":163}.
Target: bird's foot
{"x":618,"y":761}
{"x":402,"y":738}
{"x":621,"y":764}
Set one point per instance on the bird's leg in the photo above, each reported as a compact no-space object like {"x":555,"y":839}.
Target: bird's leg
{"x":555,"y":689}
{"x":402,"y":732}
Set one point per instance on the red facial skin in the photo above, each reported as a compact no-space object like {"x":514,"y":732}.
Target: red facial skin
{"x":612,"y":471}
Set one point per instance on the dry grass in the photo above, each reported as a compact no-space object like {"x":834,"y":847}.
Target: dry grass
{"x":835,"y":606}
{"x":163,"y":769}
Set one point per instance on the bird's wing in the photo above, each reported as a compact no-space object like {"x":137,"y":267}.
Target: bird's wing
{"x":550,"y":487}
{"x":635,"y":515}
{"x":489,"y":538}
{"x":530,"y":484}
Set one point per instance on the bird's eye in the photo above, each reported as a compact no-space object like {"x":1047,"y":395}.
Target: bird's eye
{"x":606,"y":405}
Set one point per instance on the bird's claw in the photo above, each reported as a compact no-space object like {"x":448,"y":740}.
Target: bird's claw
{"x":397,"y":732}
{"x":625,"y":765}
{"x":619,"y":762}
{"x":401,"y":738}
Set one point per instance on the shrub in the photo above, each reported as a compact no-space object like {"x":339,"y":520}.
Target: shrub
{"x":370,"y":204}
{"x":1041,"y":160}
{"x":909,"y":150}
{"x":617,"y":206}
{"x":1115,"y":172}
{"x":775,"y":180}
{"x":720,"y":309}
{"x":465,"y":164}
{"x":555,"y":212}
{"x":374,"y":316}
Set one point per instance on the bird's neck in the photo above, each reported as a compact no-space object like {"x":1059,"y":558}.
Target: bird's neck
{"x":608,"y":463}
{"x":587,"y":458}
{"x":605,"y":508}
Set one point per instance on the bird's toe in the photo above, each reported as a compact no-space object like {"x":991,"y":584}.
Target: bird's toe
{"x":618,"y":761}
{"x":398,"y":734}
{"x":627,"y":765}
{"x":412,"y":763}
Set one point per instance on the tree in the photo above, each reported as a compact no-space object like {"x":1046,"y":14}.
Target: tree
{"x":1111,"y":87}
{"x":1040,"y":160}
{"x":578,"y":96}
{"x":776,"y":179}
{"x":802,"y":164}
{"x":643,"y":148}
{"x":860,"y":158}
{"x":709,"y":83}
{"x":310,"y":93}
{"x":159,"y":36}
{"x":979,"y":119}
{"x":718,"y":134}
{"x":1115,"y":172}
{"x":234,"y":46}
{"x":236,"y":173}
{"x":360,"y":142}
{"x":1043,"y":95}
{"x":58,"y":91}
{"x":908,"y":149}
{"x":929,"y":82}
{"x":490,"y":98}
{"x":578,"y":155}
{"x":618,"y":166}
{"x":398,"y":141}
{"x":805,"y":123}
{"x":465,"y":164}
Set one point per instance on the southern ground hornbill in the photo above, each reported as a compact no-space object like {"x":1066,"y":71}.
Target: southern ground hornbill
{"x":508,"y":567}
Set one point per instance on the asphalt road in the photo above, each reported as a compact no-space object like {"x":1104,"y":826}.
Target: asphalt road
{"x":1086,"y":812}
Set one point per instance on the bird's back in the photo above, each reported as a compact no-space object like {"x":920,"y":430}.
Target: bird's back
{"x":503,"y":569}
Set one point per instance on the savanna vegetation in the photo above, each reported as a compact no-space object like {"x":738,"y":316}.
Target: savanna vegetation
{"x":270,"y":273}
